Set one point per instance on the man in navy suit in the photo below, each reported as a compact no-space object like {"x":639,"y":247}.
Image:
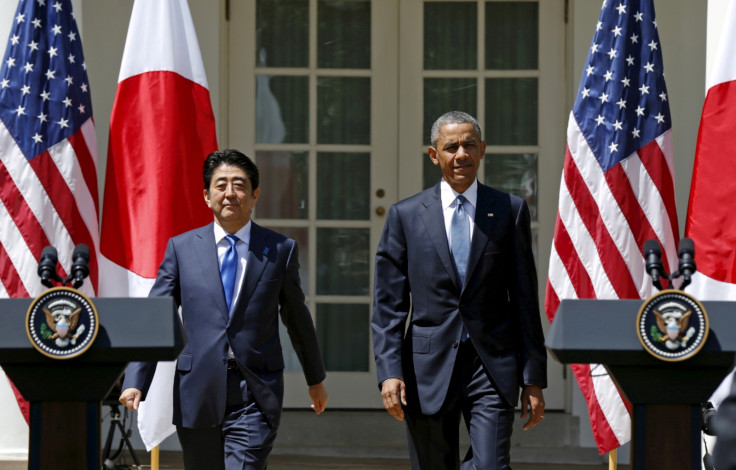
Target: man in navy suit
{"x":455,"y":261}
{"x":228,"y":387}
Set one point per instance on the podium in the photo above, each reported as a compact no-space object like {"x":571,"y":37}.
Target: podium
{"x":666,"y":396}
{"x":65,"y":395}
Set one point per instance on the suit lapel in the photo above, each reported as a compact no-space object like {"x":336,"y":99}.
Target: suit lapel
{"x":434,"y":222}
{"x":483,"y":221}
{"x":206,"y":252}
{"x":258,"y":255}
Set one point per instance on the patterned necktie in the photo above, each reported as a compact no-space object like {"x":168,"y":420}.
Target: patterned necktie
{"x":460,"y":235}
{"x":229,"y":269}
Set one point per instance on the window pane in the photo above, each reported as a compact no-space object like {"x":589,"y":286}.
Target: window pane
{"x":282,"y":36}
{"x":283,"y":182}
{"x":512,"y":35}
{"x":343,"y":261}
{"x":343,"y":110}
{"x":344,"y":34}
{"x":511,"y":111}
{"x":282,"y":109}
{"x":448,"y":94}
{"x":341,"y":197}
{"x":515,"y":174}
{"x":450,"y":35}
{"x":301,"y":236}
{"x":342,"y":330}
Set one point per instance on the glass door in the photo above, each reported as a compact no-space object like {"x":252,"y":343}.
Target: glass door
{"x":335,"y":98}
{"x":312,"y":96}
{"x":502,"y":61}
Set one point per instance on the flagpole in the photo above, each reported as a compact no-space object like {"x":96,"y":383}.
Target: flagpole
{"x":154,"y":458}
{"x":611,"y":460}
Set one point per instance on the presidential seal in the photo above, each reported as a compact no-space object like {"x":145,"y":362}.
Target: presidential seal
{"x":62,"y":323}
{"x":672,"y":325}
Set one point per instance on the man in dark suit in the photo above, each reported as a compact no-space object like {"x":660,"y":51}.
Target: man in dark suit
{"x":455,"y":261}
{"x":724,"y":425}
{"x":232,"y":279}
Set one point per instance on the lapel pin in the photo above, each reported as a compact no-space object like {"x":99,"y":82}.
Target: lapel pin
{"x":265,"y":251}
{"x":490,"y":214}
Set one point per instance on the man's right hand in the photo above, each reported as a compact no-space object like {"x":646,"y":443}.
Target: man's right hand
{"x":131,"y":398}
{"x":393,"y":393}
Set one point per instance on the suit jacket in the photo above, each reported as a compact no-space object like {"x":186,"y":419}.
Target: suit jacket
{"x":190,"y":274}
{"x":724,"y":424}
{"x":498,"y":305}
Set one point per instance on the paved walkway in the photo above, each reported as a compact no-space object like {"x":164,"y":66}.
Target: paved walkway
{"x":172,"y":461}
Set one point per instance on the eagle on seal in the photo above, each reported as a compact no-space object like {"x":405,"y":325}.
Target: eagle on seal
{"x":673,"y":327}
{"x":62,"y":321}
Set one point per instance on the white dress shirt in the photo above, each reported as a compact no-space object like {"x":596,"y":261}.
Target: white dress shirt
{"x":241,"y":247}
{"x":449,"y":196}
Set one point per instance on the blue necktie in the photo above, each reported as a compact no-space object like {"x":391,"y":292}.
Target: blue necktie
{"x":229,"y":269}
{"x":460,"y":236}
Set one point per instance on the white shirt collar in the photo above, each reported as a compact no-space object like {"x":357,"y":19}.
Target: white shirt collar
{"x":243,"y":234}
{"x":448,"y":195}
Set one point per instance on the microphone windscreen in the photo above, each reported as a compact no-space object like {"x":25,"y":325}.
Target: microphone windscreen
{"x":652,"y":246}
{"x":81,"y":250}
{"x":50,"y":253}
{"x":686,"y":246}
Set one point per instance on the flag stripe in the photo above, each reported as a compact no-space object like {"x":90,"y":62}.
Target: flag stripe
{"x":656,"y":191}
{"x":11,"y":276}
{"x":85,"y":147}
{"x":63,"y":201}
{"x":19,"y":212}
{"x":636,"y":227}
{"x":605,"y":434}
{"x":581,"y":283}
{"x":585,"y":247}
{"x":656,"y":158}
{"x":597,"y":223}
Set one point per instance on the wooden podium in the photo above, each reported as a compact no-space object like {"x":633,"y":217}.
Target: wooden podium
{"x":65,"y":395}
{"x":666,"y":396}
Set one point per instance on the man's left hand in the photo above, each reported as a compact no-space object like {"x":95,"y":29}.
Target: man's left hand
{"x":319,"y":396}
{"x":532,"y":402}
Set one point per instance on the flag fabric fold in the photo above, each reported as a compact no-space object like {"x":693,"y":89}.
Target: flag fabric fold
{"x":48,"y":150}
{"x":711,"y":223}
{"x":616,"y":190}
{"x":161,"y":130}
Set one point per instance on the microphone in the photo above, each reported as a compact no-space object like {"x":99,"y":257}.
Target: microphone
{"x":80,"y":265}
{"x":47,"y":266}
{"x":654,"y":267}
{"x":686,"y":267}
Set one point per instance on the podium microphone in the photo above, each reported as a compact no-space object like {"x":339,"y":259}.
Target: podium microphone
{"x":80,"y":265}
{"x":653,"y":257}
{"x":47,"y":266}
{"x":686,"y":267}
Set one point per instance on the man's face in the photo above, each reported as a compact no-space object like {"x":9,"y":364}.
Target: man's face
{"x":458,"y":153}
{"x":231,"y":197}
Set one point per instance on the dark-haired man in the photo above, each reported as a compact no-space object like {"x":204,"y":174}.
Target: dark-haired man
{"x":232,"y":280}
{"x":455,"y":261}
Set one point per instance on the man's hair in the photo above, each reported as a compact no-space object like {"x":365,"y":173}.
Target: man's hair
{"x":453,"y":117}
{"x":229,"y":157}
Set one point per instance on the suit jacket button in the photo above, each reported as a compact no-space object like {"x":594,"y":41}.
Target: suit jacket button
{"x":454,"y":345}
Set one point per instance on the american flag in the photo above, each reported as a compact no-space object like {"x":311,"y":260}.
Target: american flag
{"x":617,"y":188}
{"x":48,"y":148}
